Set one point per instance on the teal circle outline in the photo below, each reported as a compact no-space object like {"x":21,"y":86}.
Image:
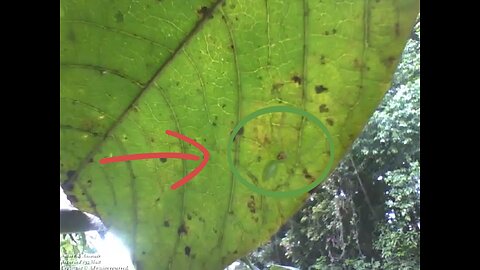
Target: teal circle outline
{"x":274,"y":109}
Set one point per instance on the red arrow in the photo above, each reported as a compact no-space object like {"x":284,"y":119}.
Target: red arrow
{"x":186,"y":178}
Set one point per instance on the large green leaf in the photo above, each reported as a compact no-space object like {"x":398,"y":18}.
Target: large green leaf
{"x":132,"y":69}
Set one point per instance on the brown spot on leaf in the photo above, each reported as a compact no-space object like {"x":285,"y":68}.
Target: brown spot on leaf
{"x":251,"y":204}
{"x":182,"y":229}
{"x":187,"y":250}
{"x":296,"y":79}
{"x":320,"y":89}
{"x":204,"y":12}
{"x":240,"y":131}
{"x":397,"y":29}
{"x":330,"y":121}
{"x":323,"y":108}
{"x":307,"y":175}
{"x":281,"y":156}
{"x":166,"y":223}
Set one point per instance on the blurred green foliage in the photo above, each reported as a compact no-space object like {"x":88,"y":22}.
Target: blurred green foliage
{"x":367,"y":215}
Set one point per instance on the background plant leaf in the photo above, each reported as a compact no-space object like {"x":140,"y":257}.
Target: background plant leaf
{"x":132,"y":69}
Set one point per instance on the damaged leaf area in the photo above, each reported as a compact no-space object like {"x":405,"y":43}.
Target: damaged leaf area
{"x":131,"y":70}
